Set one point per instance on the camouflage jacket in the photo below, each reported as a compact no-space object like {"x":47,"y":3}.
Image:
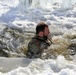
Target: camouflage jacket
{"x":36,"y":46}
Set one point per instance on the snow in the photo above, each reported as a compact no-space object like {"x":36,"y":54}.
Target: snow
{"x":61,"y":18}
{"x":60,"y":66}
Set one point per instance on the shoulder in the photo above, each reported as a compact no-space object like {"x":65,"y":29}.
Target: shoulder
{"x":33,"y":42}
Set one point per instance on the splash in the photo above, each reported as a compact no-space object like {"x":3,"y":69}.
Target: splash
{"x":48,"y":4}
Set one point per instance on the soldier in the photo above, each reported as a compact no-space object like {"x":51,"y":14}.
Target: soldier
{"x":39,"y":42}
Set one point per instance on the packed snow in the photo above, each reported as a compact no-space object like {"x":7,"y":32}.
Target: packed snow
{"x":60,"y":66}
{"x":24,"y":15}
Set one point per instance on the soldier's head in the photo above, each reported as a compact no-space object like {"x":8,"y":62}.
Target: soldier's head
{"x":42,"y":29}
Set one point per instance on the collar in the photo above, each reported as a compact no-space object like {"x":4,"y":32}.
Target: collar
{"x":40,"y":38}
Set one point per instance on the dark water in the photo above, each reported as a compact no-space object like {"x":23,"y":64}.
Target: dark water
{"x":14,"y":42}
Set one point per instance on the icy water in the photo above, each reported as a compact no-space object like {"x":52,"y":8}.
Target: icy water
{"x":18,"y":19}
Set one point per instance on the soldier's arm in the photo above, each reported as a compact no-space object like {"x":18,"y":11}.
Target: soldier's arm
{"x":33,"y":50}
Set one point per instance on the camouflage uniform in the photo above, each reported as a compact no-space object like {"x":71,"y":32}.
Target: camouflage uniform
{"x":36,"y":47}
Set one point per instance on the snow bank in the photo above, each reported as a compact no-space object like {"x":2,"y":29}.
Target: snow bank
{"x":60,"y":66}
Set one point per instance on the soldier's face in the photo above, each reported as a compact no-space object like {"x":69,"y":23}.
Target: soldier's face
{"x":46,"y":31}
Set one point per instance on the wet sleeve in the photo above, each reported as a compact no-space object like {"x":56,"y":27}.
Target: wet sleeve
{"x":33,"y":50}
